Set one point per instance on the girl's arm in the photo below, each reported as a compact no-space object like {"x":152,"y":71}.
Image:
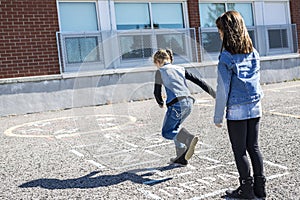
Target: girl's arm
{"x":157,"y":89}
{"x":223,"y":89}
{"x":207,"y":88}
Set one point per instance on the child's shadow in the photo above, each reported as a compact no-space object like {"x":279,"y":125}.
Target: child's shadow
{"x":92,"y":181}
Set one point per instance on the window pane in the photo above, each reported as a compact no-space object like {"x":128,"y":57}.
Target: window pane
{"x":78,"y":16}
{"x":88,"y":49}
{"x":209,"y":12}
{"x":276,"y":13}
{"x":167,"y":15}
{"x":278,"y":38}
{"x":82,"y":49}
{"x":252,"y":36}
{"x":137,"y":46}
{"x":72,"y":47}
{"x":211,"y":42}
{"x":176,"y":42}
{"x":245,"y":9}
{"x":132,"y":16}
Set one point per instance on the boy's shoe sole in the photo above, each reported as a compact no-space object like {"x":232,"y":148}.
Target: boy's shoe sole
{"x":190,"y":151}
{"x":177,"y":162}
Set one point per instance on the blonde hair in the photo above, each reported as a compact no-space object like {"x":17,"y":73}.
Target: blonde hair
{"x":236,"y":38}
{"x":163,"y":56}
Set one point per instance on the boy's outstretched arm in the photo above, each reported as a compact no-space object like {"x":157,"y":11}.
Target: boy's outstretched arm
{"x":157,"y":89}
{"x":207,"y":88}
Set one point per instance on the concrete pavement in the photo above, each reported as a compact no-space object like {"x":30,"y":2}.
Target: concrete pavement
{"x":116,"y":152}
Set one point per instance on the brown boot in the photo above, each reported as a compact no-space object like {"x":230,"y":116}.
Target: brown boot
{"x":189,"y":140}
{"x":180,"y":157}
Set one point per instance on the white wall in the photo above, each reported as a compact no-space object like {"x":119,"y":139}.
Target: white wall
{"x":44,"y":94}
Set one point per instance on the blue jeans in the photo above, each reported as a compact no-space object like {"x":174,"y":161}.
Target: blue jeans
{"x":174,"y":117}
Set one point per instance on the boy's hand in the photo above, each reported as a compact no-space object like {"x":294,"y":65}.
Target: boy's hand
{"x":161,"y":106}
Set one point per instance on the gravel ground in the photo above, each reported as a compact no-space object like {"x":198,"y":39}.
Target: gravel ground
{"x":116,"y":152}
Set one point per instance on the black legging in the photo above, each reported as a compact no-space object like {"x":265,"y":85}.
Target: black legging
{"x":243,"y":136}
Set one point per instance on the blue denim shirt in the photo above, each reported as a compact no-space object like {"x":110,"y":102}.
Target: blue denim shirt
{"x":173,"y":78}
{"x":238,"y":87}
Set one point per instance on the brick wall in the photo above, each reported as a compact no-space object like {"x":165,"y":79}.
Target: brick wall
{"x":27,"y":38}
{"x":194,"y":15}
{"x":194,"y":19}
{"x":295,"y":15}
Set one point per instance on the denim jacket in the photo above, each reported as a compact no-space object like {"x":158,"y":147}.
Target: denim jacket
{"x":238,"y":87}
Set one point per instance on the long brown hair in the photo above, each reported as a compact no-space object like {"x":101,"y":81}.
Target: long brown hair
{"x":236,"y":38}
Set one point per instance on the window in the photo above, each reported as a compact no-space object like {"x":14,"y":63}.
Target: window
{"x":137,"y":17}
{"x":209,"y":12}
{"x":211,"y":42}
{"x":82,"y":49}
{"x":130,"y":32}
{"x":167,"y":15}
{"x":245,"y":9}
{"x":275,"y":13}
{"x":278,"y":38}
{"x":78,"y":49}
{"x":272,"y":34}
{"x":136,"y":46}
{"x":278,"y":31}
{"x":174,"y":41}
{"x":71,"y":20}
{"x":132,"y":16}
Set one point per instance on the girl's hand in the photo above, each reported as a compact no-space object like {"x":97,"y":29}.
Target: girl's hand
{"x":218,"y":125}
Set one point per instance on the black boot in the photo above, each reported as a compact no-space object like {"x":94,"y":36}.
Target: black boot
{"x":245,"y":191}
{"x":260,"y":187}
{"x":180,"y":157}
{"x":189,"y":140}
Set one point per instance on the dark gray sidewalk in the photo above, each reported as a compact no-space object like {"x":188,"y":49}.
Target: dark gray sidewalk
{"x":116,"y":152}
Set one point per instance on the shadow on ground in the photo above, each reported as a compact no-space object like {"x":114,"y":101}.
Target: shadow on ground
{"x":92,"y":181}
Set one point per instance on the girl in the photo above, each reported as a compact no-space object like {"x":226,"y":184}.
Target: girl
{"x":179,"y":103}
{"x":238,"y":90}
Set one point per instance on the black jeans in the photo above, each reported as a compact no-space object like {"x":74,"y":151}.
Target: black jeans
{"x":243,"y":136}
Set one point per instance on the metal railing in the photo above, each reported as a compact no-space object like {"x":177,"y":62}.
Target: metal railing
{"x":134,"y":48}
{"x":268,"y":40}
{"x":119,"y":49}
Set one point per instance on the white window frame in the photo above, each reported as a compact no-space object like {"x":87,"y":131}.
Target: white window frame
{"x":109,"y":37}
{"x":62,"y":35}
{"x":260,"y":27}
{"x":214,"y":55}
{"x":80,"y":1}
{"x":149,"y":2}
{"x":127,"y":63}
{"x":289,"y":48}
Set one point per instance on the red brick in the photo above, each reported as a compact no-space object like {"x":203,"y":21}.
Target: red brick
{"x":295,"y":16}
{"x":26,"y":29}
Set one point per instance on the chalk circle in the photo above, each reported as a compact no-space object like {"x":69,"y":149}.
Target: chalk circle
{"x":69,"y":126}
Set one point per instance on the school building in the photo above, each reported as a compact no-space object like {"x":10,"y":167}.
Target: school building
{"x":58,"y":54}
